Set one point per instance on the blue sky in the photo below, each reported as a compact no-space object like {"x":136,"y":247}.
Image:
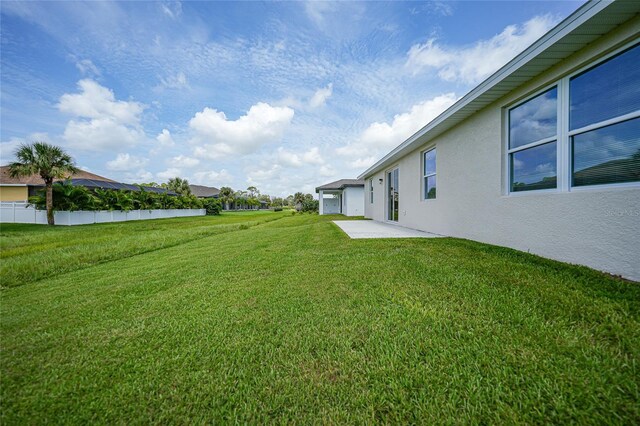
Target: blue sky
{"x":285,"y":96}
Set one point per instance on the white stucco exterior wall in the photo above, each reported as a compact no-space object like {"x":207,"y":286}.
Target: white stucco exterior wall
{"x":331,"y":205}
{"x":597,"y":227}
{"x":353,"y":201}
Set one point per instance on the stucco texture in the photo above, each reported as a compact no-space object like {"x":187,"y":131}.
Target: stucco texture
{"x":597,"y":227}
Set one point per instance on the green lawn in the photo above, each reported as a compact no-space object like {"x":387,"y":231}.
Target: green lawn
{"x":286,"y":320}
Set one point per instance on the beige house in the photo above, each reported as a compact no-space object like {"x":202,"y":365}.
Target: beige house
{"x":543,"y":156}
{"x":20,"y":189}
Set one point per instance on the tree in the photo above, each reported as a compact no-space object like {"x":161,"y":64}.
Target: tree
{"x":266,"y":199}
{"x":298,"y":199}
{"x":253,"y":191}
{"x":289,"y":201}
{"x":66,"y":197}
{"x":226,"y":196}
{"x":309,"y":204}
{"x":150,"y":184}
{"x":179,"y":186}
{"x":240,"y":199}
{"x":48,"y":161}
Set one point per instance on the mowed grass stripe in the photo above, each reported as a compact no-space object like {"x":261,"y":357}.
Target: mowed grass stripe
{"x":291,"y":321}
{"x":30,"y":253}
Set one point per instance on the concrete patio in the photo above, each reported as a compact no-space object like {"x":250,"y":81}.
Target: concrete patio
{"x":358,"y":229}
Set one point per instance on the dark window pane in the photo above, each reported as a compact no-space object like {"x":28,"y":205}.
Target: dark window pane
{"x":430,"y":187}
{"x":609,"y":90}
{"x":430,"y":162}
{"x":534,"y":168}
{"x":534,"y":120}
{"x":607,"y":155}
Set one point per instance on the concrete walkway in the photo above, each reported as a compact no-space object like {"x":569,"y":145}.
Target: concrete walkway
{"x":372,"y":229}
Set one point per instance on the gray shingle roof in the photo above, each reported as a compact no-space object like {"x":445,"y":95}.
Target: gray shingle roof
{"x":6,"y":178}
{"x":341,"y":184}
{"x":204,"y":191}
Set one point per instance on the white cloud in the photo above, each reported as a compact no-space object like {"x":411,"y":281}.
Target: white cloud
{"x":165,"y":139}
{"x":100,"y":134}
{"x":169,"y":173}
{"x":96,"y":101}
{"x":126,"y":162}
{"x":142,"y":176}
{"x":184,"y":161}
{"x":312,"y":156}
{"x":291,"y":159}
{"x":220,"y":137}
{"x":316,"y":10}
{"x":173,"y":9}
{"x":472,"y":64}
{"x":441,"y":8}
{"x":87,"y":67}
{"x":7,"y":148}
{"x":175,"y":82}
{"x":101,"y":122}
{"x":261,"y":175}
{"x":320,"y":97}
{"x":380,"y":137}
{"x":363,"y":163}
{"x":327,"y":171}
{"x":212,"y":178}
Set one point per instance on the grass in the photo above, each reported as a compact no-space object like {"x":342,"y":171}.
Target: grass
{"x":33,"y":252}
{"x":289,"y":321}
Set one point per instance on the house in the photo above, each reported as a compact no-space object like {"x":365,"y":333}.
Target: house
{"x":202,"y":191}
{"x":346,"y":196}
{"x":21,"y":188}
{"x":543,"y":156}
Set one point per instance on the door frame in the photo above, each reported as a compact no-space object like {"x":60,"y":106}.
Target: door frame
{"x":388,"y":210}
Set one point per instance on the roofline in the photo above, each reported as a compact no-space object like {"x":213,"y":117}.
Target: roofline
{"x":339,"y":188}
{"x":570,"y":23}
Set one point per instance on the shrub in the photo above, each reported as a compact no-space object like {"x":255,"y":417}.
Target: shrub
{"x":67,"y":197}
{"x":212,"y":206}
{"x":310,"y":205}
{"x":277,"y":209}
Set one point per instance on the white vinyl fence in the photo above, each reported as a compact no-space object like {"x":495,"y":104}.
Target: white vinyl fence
{"x":21,"y":213}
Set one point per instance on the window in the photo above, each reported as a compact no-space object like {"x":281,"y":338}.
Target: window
{"x":605,"y":139}
{"x":371,"y":191}
{"x":429,"y":174}
{"x":533,"y":130}
{"x":583,"y":131}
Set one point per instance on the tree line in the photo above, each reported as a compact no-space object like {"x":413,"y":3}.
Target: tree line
{"x":51,"y":162}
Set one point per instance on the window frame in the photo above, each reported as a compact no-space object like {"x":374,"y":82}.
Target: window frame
{"x":564,"y":145}
{"x":425,"y":175}
{"x":555,"y":138}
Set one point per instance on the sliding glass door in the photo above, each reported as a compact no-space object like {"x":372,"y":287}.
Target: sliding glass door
{"x":392,"y":195}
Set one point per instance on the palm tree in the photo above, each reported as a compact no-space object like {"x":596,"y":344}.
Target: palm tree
{"x":226,"y":196}
{"x":240,"y":199}
{"x":179,"y":186}
{"x":48,"y":161}
{"x":298,"y":200}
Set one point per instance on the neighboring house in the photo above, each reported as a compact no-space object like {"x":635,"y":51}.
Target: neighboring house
{"x":346,"y":196}
{"x":20,"y":189}
{"x":202,"y":191}
{"x":543,"y":156}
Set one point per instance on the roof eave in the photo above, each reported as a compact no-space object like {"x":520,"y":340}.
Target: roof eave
{"x":573,"y":21}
